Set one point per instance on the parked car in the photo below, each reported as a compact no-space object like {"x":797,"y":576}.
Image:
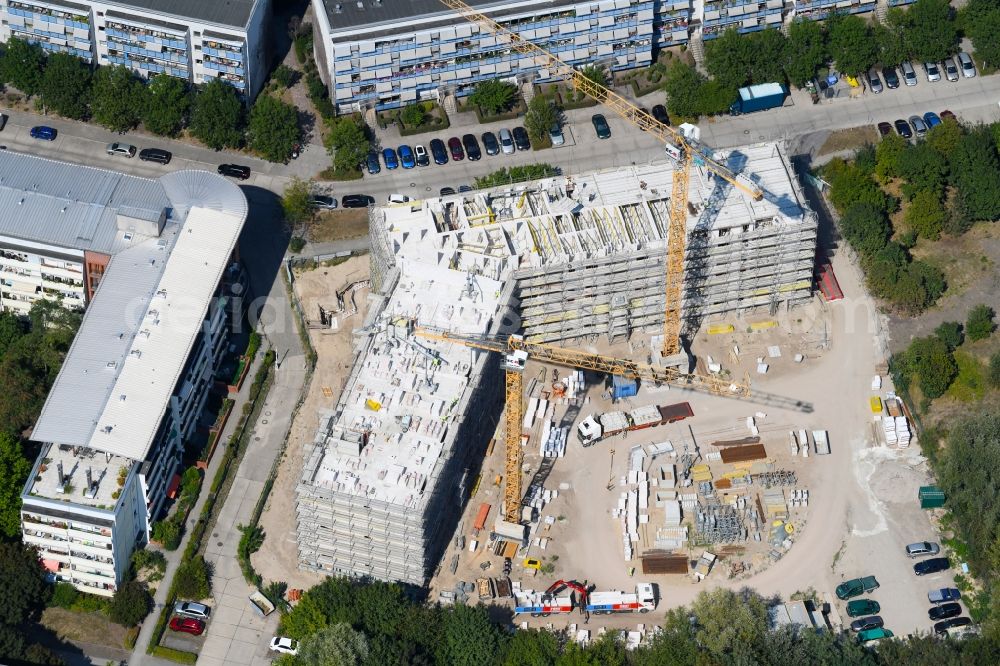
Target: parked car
{"x":446,"y":191}
{"x":406,"y":157}
{"x":397,"y":199}
{"x":950,"y":69}
{"x":601,"y":126}
{"x":859,"y":607}
{"x":660,"y":113}
{"x":465,"y":188}
{"x":932,"y":71}
{"x":439,"y":152}
{"x":390,"y":158}
{"x":948,"y":114}
{"x":506,"y":142}
{"x":471,"y":147}
{"x":455,"y":148}
{"x":372,"y":163}
{"x":918,"y":125}
{"x":891,"y":77}
{"x":356,"y":201}
{"x":943,"y":595}
{"x":188,"y":625}
{"x":874,"y":82}
{"x":285,"y":645}
{"x":155,"y":155}
{"x":909,"y":75}
{"x":903,"y":128}
{"x":884,"y":129}
{"x":521,"y":139}
{"x":856,"y":587}
{"x":873,"y":634}
{"x":943,"y":626}
{"x":3,"y":120}
{"x":944,"y":611}
{"x":234,"y":171}
{"x":490,"y":143}
{"x":965,"y":62}
{"x":323,"y":202}
{"x":421,"y":155}
{"x":931,"y":119}
{"x":192,"y":609}
{"x":933,"y":565}
{"x":556,"y":134}
{"x":122,"y":149}
{"x":872,"y":622}
{"x":44,"y":133}
{"x":922,"y":547}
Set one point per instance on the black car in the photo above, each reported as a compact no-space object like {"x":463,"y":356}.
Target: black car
{"x":933,"y":565}
{"x":372,"y":163}
{"x":521,"y":139}
{"x":884,"y":129}
{"x":601,"y":126}
{"x":464,"y":188}
{"x":155,"y":155}
{"x":660,"y":113}
{"x":471,"y":147}
{"x":445,"y":191}
{"x":903,"y":128}
{"x":870,"y":622}
{"x":356,"y":201}
{"x":945,"y":625}
{"x":944,"y":611}
{"x":3,"y":120}
{"x":490,"y":143}
{"x":891,"y":77}
{"x":234,"y":171}
{"x":439,"y":152}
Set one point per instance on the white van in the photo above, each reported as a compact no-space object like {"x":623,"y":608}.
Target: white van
{"x":398,"y":199}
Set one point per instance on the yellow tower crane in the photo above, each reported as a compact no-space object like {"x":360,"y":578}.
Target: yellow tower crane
{"x":681,"y":148}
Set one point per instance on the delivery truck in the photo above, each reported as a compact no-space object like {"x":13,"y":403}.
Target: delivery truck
{"x":595,"y":428}
{"x":616,"y":601}
{"x":540,"y":604}
{"x":760,"y":97}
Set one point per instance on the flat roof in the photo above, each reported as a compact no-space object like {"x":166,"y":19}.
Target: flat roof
{"x":72,"y":206}
{"x":358,"y":13}
{"x":134,"y":342}
{"x":104,"y":473}
{"x":234,"y":13}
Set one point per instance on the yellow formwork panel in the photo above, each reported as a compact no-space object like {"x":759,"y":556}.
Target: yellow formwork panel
{"x":637,"y":302}
{"x":706,"y":476}
{"x":763,"y":325}
{"x":697,"y":469}
{"x":804,"y":284}
{"x":719,"y":329}
{"x":603,"y":308}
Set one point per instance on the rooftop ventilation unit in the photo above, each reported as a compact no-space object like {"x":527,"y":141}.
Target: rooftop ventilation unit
{"x":338,"y":8}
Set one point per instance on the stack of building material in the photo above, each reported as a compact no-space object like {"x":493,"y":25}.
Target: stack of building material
{"x":645,"y":417}
{"x":689,"y":501}
{"x":701,"y":473}
{"x":889,"y":428}
{"x":774,"y":502}
{"x":902,"y":432}
{"x":554,"y":444}
{"x":799,"y":498}
{"x":574,"y":384}
{"x":662,"y":562}
{"x":743,"y":453}
{"x":672,"y":538}
{"x":672,"y":513}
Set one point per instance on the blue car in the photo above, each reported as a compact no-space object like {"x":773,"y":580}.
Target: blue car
{"x":372,"y":162}
{"x":406,"y":157}
{"x":931,"y":119}
{"x":389,"y":156}
{"x":43,"y":132}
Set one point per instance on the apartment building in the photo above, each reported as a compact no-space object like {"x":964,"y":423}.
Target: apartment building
{"x":383,"y":54}
{"x":190,"y":39}
{"x":136,"y":378}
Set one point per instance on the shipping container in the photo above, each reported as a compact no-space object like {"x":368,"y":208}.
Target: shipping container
{"x":677,"y":412}
{"x":622,"y":387}
{"x":758,"y":98}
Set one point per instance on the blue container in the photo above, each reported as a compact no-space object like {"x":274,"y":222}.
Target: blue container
{"x":623,"y":388}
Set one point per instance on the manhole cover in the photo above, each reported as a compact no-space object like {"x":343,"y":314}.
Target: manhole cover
{"x":264,"y":421}
{"x":427,"y":189}
{"x":256,"y":439}
{"x":215,"y":534}
{"x":413,"y":184}
{"x":761,"y":137}
{"x":269,"y":413}
{"x":746,"y":131}
{"x":218,"y":543}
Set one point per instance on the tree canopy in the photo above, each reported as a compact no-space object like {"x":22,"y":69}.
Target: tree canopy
{"x":130,"y":604}
{"x":930,"y":30}
{"x":168,"y":103}
{"x":217,"y":117}
{"x":851,"y":44}
{"x":493,"y":95}
{"x":982,"y":26}
{"x":805,"y":51}
{"x":540,"y":118}
{"x":348,"y":142}
{"x":24,"y":584}
{"x":65,"y":86}
{"x":15,"y":472}
{"x":118,"y":98}
{"x":22,"y":65}
{"x":296,"y":202}
{"x":273,"y":130}
{"x":979,"y":324}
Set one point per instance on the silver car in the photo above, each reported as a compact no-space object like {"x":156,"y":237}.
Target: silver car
{"x":950,"y":69}
{"x":922,"y":548}
{"x":323,"y":202}
{"x":933,"y":71}
{"x":556,"y":135}
{"x":874,"y":82}
{"x":919,"y":126}
{"x":123,"y":149}
{"x":965,"y":62}
{"x":909,"y":76}
{"x":506,"y":141}
{"x":192,"y":609}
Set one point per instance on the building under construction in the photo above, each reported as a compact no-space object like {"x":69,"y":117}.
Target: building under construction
{"x":559,"y":259}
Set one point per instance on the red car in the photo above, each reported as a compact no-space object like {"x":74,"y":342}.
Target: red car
{"x":455,"y":147}
{"x":948,"y":114}
{"x":188,"y":625}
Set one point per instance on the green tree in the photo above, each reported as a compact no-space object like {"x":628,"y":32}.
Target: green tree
{"x":306,"y":618}
{"x":727,"y":621}
{"x":468,"y":636}
{"x":805,"y":51}
{"x":348,"y":143}
{"x":517,"y":174}
{"x":850,"y":185}
{"x":413,"y":115}
{"x":767,"y":54}
{"x":931,"y":34}
{"x":493,"y":95}
{"x":130,"y":604}
{"x":335,"y":645}
{"x":851,"y":44}
{"x":951,"y":334}
{"x":889,"y":156}
{"x":217,"y":116}
{"x":16,"y":469}
{"x":540,"y":118}
{"x":979,"y":324}
{"x":982,"y":26}
{"x":22,"y":65}
{"x":118,"y":98}
{"x":943,"y":137}
{"x":890,"y":38}
{"x":924,"y":169}
{"x":866,"y":228}
{"x":531,"y":648}
{"x":595,"y":74}
{"x":683,"y":85}
{"x":926,"y":215}
{"x":714,"y":98}
{"x":65,"y":85}
{"x":193,"y":578}
{"x":930,"y":361}
{"x":24,"y":584}
{"x":167,"y":106}
{"x":12,"y":329}
{"x":727,"y":58}
{"x":273,"y":129}
{"x":993,"y":373}
{"x":168,"y":532}
{"x":975,"y":171}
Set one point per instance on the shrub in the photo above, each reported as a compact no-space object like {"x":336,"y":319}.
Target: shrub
{"x":950,"y":333}
{"x":168,"y":532}
{"x":993,"y":373}
{"x":979,"y":325}
{"x":193,"y":578}
{"x":64,"y":595}
{"x":297,"y":244}
{"x":130,"y":604}
{"x":284,"y":75}
{"x":413,"y":115}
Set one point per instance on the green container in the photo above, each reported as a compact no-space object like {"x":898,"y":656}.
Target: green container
{"x":931,"y":497}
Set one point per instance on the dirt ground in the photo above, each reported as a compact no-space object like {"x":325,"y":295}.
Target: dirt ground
{"x":845,"y":139}
{"x":278,"y":558}
{"x":334,"y":225}
{"x":92,"y":627}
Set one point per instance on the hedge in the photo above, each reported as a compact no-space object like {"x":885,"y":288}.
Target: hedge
{"x":179,"y":656}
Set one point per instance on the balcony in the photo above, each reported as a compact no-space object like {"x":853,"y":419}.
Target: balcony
{"x":82,"y":535}
{"x":105,"y":568}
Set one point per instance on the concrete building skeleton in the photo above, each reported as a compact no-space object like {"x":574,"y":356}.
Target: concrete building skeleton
{"x":560,"y":260}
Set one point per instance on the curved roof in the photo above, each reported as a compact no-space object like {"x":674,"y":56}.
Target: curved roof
{"x":200,"y":189}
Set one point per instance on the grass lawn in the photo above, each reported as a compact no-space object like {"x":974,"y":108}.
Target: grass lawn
{"x":334,"y":225}
{"x":970,"y":384}
{"x":92,"y":627}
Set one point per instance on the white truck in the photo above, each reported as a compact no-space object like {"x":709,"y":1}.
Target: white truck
{"x":822,"y":442}
{"x":539,"y":604}
{"x":615,"y":601}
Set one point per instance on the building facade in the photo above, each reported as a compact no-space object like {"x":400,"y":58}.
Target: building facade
{"x":137,"y":376}
{"x":192,"y":40}
{"x":383,"y":55}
